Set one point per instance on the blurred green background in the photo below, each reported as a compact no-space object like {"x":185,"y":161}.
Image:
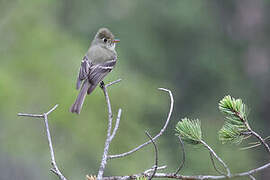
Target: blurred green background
{"x":201,"y":50}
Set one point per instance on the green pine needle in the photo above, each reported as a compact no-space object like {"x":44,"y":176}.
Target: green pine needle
{"x":235,"y":120}
{"x":234,"y":109}
{"x":230,"y":133}
{"x":189,"y":130}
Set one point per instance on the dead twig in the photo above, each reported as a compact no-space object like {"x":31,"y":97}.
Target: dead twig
{"x":156,"y":155}
{"x":110,"y":135}
{"x":198,"y":177}
{"x":154,"y":138}
{"x":218,"y":158}
{"x":183,"y":156}
{"x":214,"y":165}
{"x":116,"y":124}
{"x":54,"y":168}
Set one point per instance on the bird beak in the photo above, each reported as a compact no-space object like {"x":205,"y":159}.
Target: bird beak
{"x":116,"y":40}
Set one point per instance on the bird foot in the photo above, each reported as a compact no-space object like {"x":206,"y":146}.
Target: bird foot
{"x":101,"y":84}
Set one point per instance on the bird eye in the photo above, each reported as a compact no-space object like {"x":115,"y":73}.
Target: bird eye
{"x":105,"y":40}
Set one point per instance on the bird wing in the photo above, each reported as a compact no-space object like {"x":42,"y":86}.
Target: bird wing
{"x":84,"y":71}
{"x":99,"y":71}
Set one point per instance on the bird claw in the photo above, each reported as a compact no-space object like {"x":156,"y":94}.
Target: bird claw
{"x":101,"y":85}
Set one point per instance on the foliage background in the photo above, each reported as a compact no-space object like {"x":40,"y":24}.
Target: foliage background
{"x":201,"y":50}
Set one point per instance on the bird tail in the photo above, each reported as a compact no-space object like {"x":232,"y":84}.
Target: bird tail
{"x":77,"y":106}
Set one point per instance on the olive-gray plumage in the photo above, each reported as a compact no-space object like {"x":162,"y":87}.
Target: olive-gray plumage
{"x":99,"y":60}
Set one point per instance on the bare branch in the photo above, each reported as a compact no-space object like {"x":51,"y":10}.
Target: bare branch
{"x":110,"y":135}
{"x":54,"y":168}
{"x":154,"y":138}
{"x":214,"y":165}
{"x":156,"y":155}
{"x":113,"y":82}
{"x":153,"y":168}
{"x":218,"y":158}
{"x":38,"y":115}
{"x":164,"y":175}
{"x":116,"y":124}
{"x":108,"y":139}
{"x":31,"y":115}
{"x":252,"y":171}
{"x":53,"y":162}
{"x":51,"y":110}
{"x":183,"y":155}
{"x":199,"y":177}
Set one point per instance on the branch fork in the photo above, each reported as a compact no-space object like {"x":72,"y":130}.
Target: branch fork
{"x":111,"y":134}
{"x":54,"y":168}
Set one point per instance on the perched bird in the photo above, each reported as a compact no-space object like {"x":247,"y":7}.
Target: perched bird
{"x":99,"y":60}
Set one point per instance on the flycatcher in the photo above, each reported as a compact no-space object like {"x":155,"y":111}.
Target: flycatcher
{"x":99,"y":60}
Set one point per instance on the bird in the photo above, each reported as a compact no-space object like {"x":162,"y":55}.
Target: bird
{"x":99,"y":60}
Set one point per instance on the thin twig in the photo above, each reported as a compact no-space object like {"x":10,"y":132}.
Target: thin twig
{"x":110,"y":135}
{"x":183,"y":155}
{"x":214,"y":165}
{"x":51,"y":110}
{"x":54,"y":168}
{"x":253,"y":171}
{"x":153,"y":168}
{"x":116,"y":124}
{"x":218,"y":158}
{"x":154,"y":138}
{"x":113,"y":82}
{"x":31,"y":115}
{"x":108,"y":139}
{"x":53,"y":162}
{"x":156,"y":155}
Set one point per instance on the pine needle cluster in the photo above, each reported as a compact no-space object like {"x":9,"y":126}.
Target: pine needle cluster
{"x":189,"y":130}
{"x":235,"y":127}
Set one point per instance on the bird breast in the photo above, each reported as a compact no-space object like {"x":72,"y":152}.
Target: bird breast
{"x":98,"y":54}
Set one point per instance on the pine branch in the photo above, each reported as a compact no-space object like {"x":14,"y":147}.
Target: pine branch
{"x":189,"y":130}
